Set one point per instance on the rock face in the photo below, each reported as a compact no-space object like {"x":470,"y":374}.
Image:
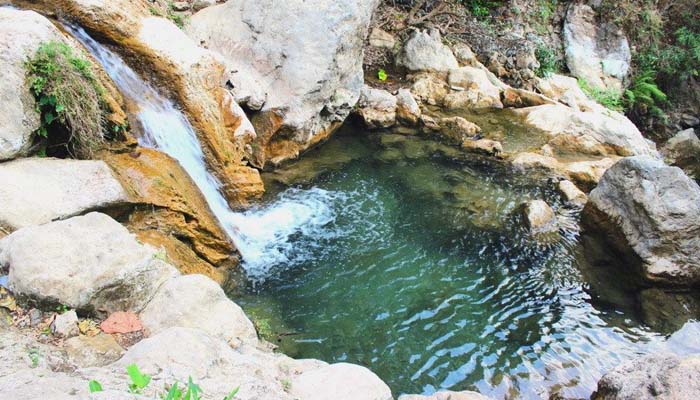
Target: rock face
{"x":96,"y":265}
{"x":650,"y":213}
{"x":424,"y":51}
{"x":377,"y":108}
{"x":195,"y":301}
{"x":653,"y":377}
{"x":683,"y":151}
{"x":599,"y":54}
{"x":304,"y":75}
{"x":39,"y":190}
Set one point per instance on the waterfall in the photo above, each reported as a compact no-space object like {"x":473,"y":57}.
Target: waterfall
{"x":261,"y":235}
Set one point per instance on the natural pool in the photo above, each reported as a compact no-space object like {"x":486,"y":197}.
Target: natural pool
{"x":401,"y":254}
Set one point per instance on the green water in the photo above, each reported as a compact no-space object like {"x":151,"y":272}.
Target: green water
{"x":418,"y":271}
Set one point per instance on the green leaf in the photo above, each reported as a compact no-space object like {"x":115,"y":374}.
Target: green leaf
{"x":174,"y":393}
{"x":382,"y":75}
{"x":138,"y":380}
{"x":49,"y":118}
{"x":94,"y":386}
{"x":233,"y":393}
{"x":60,"y":108}
{"x":192,"y":390}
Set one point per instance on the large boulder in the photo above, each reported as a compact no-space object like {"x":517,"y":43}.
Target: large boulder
{"x":424,"y":51}
{"x":661,"y":376}
{"x":96,"y":265}
{"x":340,"y":382}
{"x":298,"y":62}
{"x":598,"y":53}
{"x":650,"y":213}
{"x":195,"y":301}
{"x":40,"y":190}
{"x":683,"y":151}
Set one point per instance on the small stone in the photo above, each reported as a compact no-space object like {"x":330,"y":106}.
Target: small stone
{"x":690,"y":121}
{"x":65,"y":325}
{"x":458,"y":128}
{"x":483,"y":146}
{"x":96,"y":351}
{"x":381,"y":39}
{"x":35,"y":317}
{"x":424,"y":51}
{"x":180,"y":6}
{"x":202,"y":4}
{"x":408,"y":111}
{"x":571,"y":193}
{"x":465,"y":55}
{"x":539,"y":217}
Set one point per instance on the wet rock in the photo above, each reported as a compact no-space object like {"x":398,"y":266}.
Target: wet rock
{"x":40,"y":190}
{"x":478,"y":91}
{"x":587,"y":174}
{"x":518,"y":98}
{"x":340,"y":382}
{"x":458,"y":129}
{"x":667,"y":311}
{"x":683,"y":151}
{"x":430,"y":88}
{"x":93,"y":351}
{"x":649,"y":213}
{"x":194,"y":301}
{"x":539,"y":217}
{"x":96,"y":265}
{"x":656,"y":376}
{"x":408,"y":111}
{"x":424,"y":51}
{"x":483,"y":146}
{"x":382,"y":39}
{"x":598,"y":53}
{"x":524,"y":161}
{"x":571,"y":194}
{"x":311,"y":80}
{"x":65,"y":325}
{"x":377,"y":108}
{"x":446,"y":395}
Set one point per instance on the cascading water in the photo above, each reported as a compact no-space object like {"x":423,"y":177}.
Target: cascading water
{"x":261,"y":235}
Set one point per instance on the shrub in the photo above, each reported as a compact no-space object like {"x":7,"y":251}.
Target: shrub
{"x":480,"y":8}
{"x":69,"y":100}
{"x":644,"y":95}
{"x":548,"y":61}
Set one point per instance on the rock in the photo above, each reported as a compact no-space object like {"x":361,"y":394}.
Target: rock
{"x":599,"y":54}
{"x":377,"y":108}
{"x":65,"y":325}
{"x":590,"y":133}
{"x":424,"y":51}
{"x":458,"y":129}
{"x":689,"y":120}
{"x":309,"y":67}
{"x":121,"y":322}
{"x":518,"y":98}
{"x":539,"y":217}
{"x":446,"y":395}
{"x":381,"y":39}
{"x":563,"y":89}
{"x":478,"y":92}
{"x":667,"y":311}
{"x":180,"y":6}
{"x":21,"y":34}
{"x":96,"y":265}
{"x":660,"y":376}
{"x":483,"y":146}
{"x":198,"y":5}
{"x":429,"y":124}
{"x":572,"y":194}
{"x":408,"y":111}
{"x":195,"y":301}
{"x":683,"y":151}
{"x":650,"y":214}
{"x":524,"y":161}
{"x":465,"y":56}
{"x":430,"y":88}
{"x":40,"y":190}
{"x":93,"y":351}
{"x":340,"y":382}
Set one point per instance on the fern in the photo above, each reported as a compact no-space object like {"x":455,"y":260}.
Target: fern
{"x":644,"y":95}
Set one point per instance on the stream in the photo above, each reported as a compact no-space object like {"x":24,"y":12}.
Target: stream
{"x":401,"y":254}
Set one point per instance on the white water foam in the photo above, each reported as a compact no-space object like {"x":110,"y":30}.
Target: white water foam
{"x":261,"y":235}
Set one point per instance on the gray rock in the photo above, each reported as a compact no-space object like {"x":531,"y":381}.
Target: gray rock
{"x":377,"y":108}
{"x":654,"y":377}
{"x":650,"y":213}
{"x":340,"y":382}
{"x":683,"y":151}
{"x":424,"y":51}
{"x":600,"y":54}
{"x":306,"y":56}
{"x":446,"y":395}
{"x":96,"y":265}
{"x":195,"y":301}
{"x":40,"y":190}
{"x":198,"y":5}
{"x":66,"y":325}
{"x":93,"y":351}
{"x":571,"y":193}
{"x":21,"y":33}
{"x":408,"y":111}
{"x":381,"y":39}
{"x":458,"y":129}
{"x":180,"y":6}
{"x":477,"y":90}
{"x":465,"y":55}
{"x":539,"y":217}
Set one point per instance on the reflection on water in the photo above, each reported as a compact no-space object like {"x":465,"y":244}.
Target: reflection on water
{"x":417,"y":270}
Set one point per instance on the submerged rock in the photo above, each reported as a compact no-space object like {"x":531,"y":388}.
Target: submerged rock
{"x":539,"y":217}
{"x":650,"y":213}
{"x":308,"y":69}
{"x":654,"y":377}
{"x":424,"y":51}
{"x":683,"y":151}
{"x":40,"y":190}
{"x":96,"y":265}
{"x":458,"y":129}
{"x":667,"y":311}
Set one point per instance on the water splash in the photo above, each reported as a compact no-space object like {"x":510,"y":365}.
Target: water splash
{"x":261,"y":235}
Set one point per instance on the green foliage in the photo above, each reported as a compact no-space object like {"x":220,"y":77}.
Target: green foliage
{"x":94,"y":386}
{"x":548,"y":61}
{"x":177,"y":19}
{"x":683,"y":57}
{"x":68,"y":96}
{"x":382,"y":76}
{"x":609,"y":98}
{"x":480,"y":8}
{"x":644,"y":95}
{"x":139,"y":381}
{"x":34,"y":355}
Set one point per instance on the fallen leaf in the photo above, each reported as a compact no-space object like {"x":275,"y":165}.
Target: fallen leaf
{"x":7,"y":300}
{"x":88,"y":327}
{"x":121,"y":322}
